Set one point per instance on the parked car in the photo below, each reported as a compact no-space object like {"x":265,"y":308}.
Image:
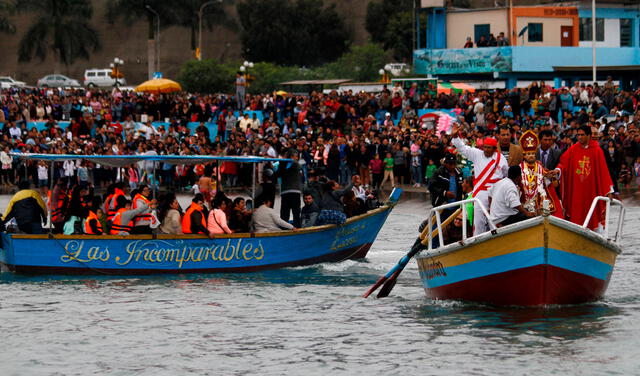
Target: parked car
{"x":57,"y":80}
{"x":103,"y":78}
{"x":7,"y":82}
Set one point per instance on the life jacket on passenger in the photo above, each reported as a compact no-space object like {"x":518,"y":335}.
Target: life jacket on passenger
{"x":134,"y":205}
{"x":110,"y":203}
{"x":58,"y":213}
{"x":87,"y":227}
{"x":186,"y":219}
{"x":117,"y":226}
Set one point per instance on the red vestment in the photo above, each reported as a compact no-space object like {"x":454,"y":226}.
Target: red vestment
{"x":584,"y":176}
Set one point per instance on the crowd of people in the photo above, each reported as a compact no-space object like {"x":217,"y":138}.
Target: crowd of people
{"x":359,"y":141}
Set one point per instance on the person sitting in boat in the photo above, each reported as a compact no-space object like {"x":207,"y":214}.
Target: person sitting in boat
{"x":446,"y":185}
{"x":92,"y":225}
{"x":538,"y":183}
{"x":142,"y":222}
{"x":113,"y":191}
{"x":504,"y":200}
{"x":170,"y":215}
{"x":310,"y":211}
{"x":195,"y":218}
{"x":332,"y":209}
{"x":122,"y":223}
{"x":28,"y":209}
{"x":266,"y":219}
{"x":240,"y":217}
{"x":352,"y":205}
{"x":453,"y":232}
{"x":489,"y":167}
{"x":59,"y":204}
{"x":217,"y":221}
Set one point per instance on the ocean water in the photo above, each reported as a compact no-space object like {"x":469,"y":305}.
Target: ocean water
{"x":311,"y":321}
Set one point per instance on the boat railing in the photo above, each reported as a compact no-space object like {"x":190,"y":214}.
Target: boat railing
{"x":608,"y":202}
{"x":435,"y":213}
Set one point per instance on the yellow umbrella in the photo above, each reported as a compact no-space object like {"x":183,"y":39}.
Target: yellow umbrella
{"x":159,"y":85}
{"x":281,"y":92}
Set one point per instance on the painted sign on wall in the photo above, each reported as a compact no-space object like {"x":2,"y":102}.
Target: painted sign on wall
{"x":467,"y":60}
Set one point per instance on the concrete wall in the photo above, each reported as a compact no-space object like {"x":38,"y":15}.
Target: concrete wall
{"x":460,"y":25}
{"x":611,"y":34}
{"x":550,"y":30}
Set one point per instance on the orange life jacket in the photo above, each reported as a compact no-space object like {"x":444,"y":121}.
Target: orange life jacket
{"x":87,"y":226}
{"x":57,"y":213}
{"x":186,"y":219}
{"x":110,"y":203}
{"x":134,"y":205}
{"x":117,"y":226}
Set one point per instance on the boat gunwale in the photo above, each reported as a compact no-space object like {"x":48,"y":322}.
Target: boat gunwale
{"x":529,"y":223}
{"x":239,"y":235}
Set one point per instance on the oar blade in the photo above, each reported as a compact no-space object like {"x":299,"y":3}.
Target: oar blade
{"x":375,"y":286}
{"x":388,"y":285}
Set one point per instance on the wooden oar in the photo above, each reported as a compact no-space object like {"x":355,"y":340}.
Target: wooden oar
{"x":391,"y":277}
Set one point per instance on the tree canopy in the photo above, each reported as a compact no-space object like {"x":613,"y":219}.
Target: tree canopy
{"x":390,"y":23}
{"x":60,"y":25}
{"x":300,"y":32}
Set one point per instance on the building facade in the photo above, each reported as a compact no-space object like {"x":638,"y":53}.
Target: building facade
{"x":552,"y":43}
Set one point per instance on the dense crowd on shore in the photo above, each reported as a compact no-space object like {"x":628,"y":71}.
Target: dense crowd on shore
{"x":334,"y":136}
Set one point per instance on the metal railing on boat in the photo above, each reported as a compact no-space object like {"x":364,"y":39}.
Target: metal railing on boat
{"x":436,"y":212}
{"x":608,"y":201}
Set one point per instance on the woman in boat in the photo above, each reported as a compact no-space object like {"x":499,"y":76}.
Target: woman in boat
{"x":217,"y":222}
{"x":332,"y":210}
{"x":170,"y":215}
{"x":352,"y":206}
{"x":240,"y":217}
{"x":142,"y":221}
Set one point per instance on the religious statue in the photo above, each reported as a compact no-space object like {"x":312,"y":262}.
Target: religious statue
{"x":538,"y":183}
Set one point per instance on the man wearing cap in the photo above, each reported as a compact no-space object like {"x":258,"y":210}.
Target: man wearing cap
{"x":488,"y":167}
{"x":446,"y":184}
{"x":504,"y":196}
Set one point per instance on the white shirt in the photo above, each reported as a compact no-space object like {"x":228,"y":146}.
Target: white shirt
{"x":505,"y":198}
{"x":480,"y":161}
{"x":43,"y":172}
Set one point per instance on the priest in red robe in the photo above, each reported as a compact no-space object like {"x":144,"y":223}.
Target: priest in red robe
{"x":584,"y":176}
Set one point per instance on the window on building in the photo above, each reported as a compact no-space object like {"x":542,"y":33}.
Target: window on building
{"x":481,"y":30}
{"x":625,"y":32}
{"x":535,"y":32}
{"x":585,"y":29}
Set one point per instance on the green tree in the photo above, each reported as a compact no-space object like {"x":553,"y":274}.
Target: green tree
{"x":6,"y":26}
{"x":360,"y":64}
{"x":207,"y":76}
{"x":390,"y":22}
{"x":62,"y":26}
{"x":300,"y":32}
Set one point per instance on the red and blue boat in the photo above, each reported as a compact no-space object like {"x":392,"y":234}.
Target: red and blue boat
{"x":541,"y":261}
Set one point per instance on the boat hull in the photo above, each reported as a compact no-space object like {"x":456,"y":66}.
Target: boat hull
{"x":542,"y":261}
{"x":234,"y":253}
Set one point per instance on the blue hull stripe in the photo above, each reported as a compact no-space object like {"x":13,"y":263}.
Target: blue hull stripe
{"x":518,"y":260}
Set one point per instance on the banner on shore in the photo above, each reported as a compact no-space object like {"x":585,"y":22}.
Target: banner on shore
{"x":466,"y":60}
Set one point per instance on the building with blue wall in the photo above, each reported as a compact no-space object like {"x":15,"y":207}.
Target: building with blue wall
{"x":551,"y":43}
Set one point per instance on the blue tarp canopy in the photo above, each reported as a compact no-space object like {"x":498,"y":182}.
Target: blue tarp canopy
{"x":124,"y":160}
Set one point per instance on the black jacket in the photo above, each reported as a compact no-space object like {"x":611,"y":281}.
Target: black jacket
{"x":440,"y":185}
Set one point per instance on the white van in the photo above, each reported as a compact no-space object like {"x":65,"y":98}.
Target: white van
{"x":102,"y":78}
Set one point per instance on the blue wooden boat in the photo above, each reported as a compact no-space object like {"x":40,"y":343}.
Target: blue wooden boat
{"x":230,"y":253}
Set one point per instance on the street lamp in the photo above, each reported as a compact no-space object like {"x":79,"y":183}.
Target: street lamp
{"x":114,"y":67}
{"x":200,"y":12}
{"x":157,"y":37}
{"x":244,"y":68}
